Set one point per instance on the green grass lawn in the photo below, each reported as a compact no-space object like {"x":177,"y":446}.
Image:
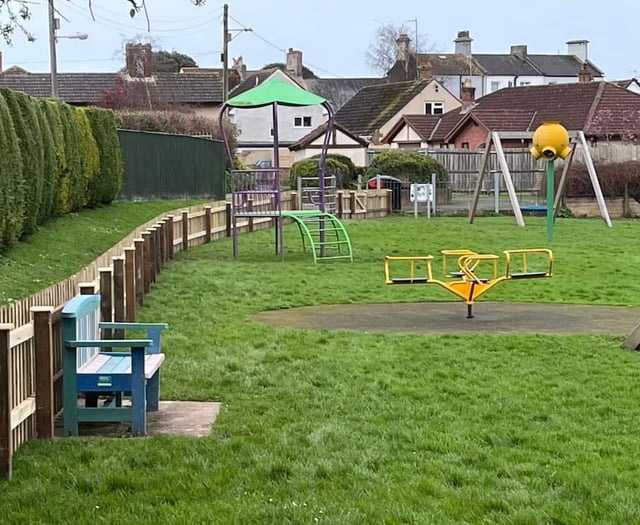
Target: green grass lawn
{"x":338,"y":427}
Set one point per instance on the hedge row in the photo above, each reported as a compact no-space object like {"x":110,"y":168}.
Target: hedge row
{"x":54,"y":159}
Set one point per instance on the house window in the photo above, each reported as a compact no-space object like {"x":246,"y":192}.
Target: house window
{"x":510,"y":83}
{"x":525,"y":83}
{"x":495,"y":85}
{"x":433,"y":108}
{"x":465,"y":145}
{"x":301,"y":122}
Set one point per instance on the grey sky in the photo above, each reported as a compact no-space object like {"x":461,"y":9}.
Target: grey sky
{"x":332,"y":34}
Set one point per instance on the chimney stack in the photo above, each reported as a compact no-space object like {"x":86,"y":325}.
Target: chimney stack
{"x":403,"y":47}
{"x":240,"y":67}
{"x":294,"y":62}
{"x":519,"y":51}
{"x":139,"y":60}
{"x":585,"y":75}
{"x":578,"y":48}
{"x":467,"y":93}
{"x":463,"y":44}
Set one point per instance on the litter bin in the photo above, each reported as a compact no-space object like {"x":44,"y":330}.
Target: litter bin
{"x":389,"y":182}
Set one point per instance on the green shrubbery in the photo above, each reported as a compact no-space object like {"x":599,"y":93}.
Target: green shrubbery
{"x":407,"y":166}
{"x":50,"y":157}
{"x":340,"y":166}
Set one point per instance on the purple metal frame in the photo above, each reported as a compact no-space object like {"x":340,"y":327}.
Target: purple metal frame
{"x":276,"y":168}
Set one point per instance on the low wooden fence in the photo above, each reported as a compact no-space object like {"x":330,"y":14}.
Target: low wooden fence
{"x":31,"y":329}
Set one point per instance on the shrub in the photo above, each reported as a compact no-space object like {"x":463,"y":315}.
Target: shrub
{"x":11,"y":180}
{"x":407,"y":166}
{"x":614,"y":178}
{"x":108,"y":180}
{"x":60,"y":197}
{"x":90,"y":154}
{"x":77,"y":184}
{"x":340,"y":166}
{"x":25,"y":124}
{"x":49,"y":163}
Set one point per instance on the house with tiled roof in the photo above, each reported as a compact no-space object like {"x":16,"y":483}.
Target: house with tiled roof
{"x":338,"y":91}
{"x":599,"y":109}
{"x":489,"y":72}
{"x":374,"y":110}
{"x":201,"y":91}
{"x":632,"y":84}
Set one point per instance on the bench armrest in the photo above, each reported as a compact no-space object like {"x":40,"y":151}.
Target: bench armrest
{"x":110,"y":343}
{"x":133,"y":326}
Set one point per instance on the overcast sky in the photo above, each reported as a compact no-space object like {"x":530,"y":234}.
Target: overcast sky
{"x":332,"y":34}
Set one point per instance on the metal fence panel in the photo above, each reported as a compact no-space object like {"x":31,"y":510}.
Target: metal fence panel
{"x":165,"y":166}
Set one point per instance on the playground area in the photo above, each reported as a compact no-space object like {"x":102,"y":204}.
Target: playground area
{"x":447,"y":318}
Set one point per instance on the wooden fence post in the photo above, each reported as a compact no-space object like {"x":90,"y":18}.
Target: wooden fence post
{"x":389,"y":202}
{"x":87,"y":288}
{"x":227,"y":219}
{"x":118,"y":294}
{"x":106,"y":299}
{"x":294,"y":200}
{"x":148,"y":262}
{"x":207,"y":224}
{"x":130,"y":284}
{"x":139,"y":266}
{"x":6,"y":401}
{"x":249,"y":210}
{"x":157,"y":250}
{"x":43,"y":343}
{"x":162,"y":243}
{"x":185,"y":230}
{"x":352,"y":204}
{"x":170,"y":245}
{"x":340,"y":195}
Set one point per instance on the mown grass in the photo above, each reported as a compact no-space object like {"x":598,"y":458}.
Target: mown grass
{"x":340,"y":427}
{"x":67,"y":244}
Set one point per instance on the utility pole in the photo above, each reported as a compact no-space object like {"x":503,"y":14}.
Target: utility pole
{"x":52,"y":49}
{"x":225,"y":52}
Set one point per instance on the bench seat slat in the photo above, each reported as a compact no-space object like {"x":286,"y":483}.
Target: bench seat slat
{"x":105,"y":364}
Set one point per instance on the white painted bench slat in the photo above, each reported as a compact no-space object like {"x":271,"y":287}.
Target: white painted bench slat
{"x":108,"y":364}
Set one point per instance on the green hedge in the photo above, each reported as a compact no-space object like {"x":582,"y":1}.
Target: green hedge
{"x":108,"y":180}
{"x":407,"y":166}
{"x":54,"y":159}
{"x":11,"y":180}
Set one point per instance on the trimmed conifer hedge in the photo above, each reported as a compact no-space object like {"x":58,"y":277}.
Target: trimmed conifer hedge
{"x":54,"y":159}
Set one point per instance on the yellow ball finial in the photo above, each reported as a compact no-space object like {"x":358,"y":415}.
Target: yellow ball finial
{"x":550,"y":140}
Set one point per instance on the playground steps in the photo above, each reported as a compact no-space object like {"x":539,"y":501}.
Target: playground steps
{"x":323,"y":233}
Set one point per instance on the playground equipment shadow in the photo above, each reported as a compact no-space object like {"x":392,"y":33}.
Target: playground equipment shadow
{"x":491,"y":318}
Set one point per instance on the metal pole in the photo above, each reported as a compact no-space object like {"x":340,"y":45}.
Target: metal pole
{"x":52,"y":50}
{"x":550,"y":192}
{"x":225,"y":52}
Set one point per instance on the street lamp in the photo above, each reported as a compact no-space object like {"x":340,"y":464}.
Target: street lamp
{"x":54,"y":25}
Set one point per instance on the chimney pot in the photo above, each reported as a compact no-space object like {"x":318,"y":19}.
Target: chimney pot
{"x":467,"y":93}
{"x":585,"y":75}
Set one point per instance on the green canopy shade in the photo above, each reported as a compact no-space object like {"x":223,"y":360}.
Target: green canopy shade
{"x":275,"y":90}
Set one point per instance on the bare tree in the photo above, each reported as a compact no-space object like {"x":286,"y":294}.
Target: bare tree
{"x":15,"y":13}
{"x":382,"y":53}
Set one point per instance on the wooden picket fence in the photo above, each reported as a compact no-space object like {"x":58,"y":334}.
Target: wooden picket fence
{"x":31,"y":329}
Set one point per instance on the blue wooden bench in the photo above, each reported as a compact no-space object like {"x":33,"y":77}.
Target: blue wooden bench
{"x":112,"y":368}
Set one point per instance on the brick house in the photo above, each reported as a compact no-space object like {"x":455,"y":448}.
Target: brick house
{"x":602,"y":110}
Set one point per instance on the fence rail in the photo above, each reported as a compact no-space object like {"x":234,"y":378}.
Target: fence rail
{"x":31,"y":328}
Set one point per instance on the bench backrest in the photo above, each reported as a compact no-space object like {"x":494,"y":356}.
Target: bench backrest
{"x":80,"y":318}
